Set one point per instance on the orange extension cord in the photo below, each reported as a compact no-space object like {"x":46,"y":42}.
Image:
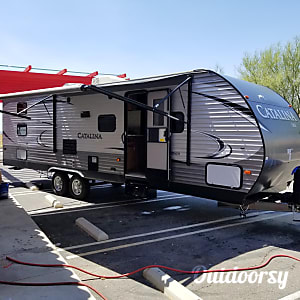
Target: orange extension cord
{"x":127,"y":274}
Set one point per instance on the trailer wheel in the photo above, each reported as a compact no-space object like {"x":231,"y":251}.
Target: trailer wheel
{"x":60,"y":183}
{"x":79,"y":187}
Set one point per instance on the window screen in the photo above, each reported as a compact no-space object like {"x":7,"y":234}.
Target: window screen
{"x":21,"y":106}
{"x":158,"y":120}
{"x":107,"y":123}
{"x":22,"y":129}
{"x":177,"y":126}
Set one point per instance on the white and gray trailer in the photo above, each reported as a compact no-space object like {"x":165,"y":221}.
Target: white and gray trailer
{"x":197,"y":133}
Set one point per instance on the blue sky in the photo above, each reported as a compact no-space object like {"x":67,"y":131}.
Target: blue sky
{"x":142,"y":37}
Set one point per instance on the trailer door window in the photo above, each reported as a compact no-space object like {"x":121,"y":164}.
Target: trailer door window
{"x":158,"y":120}
{"x":107,"y":123}
{"x":21,"y":129}
{"x":21,"y":106}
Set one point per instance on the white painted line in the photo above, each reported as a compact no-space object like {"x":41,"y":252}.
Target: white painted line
{"x":54,"y":202}
{"x":91,"y":229}
{"x":170,"y":287}
{"x":163,"y":231}
{"x":66,"y":210}
{"x":31,"y":186}
{"x":26,"y":192}
{"x":46,"y":211}
{"x":294,"y":296}
{"x":103,"y":186}
{"x":243,"y":222}
{"x":66,"y":206}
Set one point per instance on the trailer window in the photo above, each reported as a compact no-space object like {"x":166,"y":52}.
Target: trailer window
{"x":107,"y":123}
{"x":177,"y":126}
{"x":22,"y":129}
{"x":21,"y":106}
{"x":158,"y":120}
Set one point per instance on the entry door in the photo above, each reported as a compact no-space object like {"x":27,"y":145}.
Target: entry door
{"x":136,"y":136}
{"x":158,"y":133}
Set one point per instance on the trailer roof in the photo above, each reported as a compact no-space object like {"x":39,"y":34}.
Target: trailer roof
{"x":70,"y":88}
{"x":67,"y":88}
{"x":254,"y":91}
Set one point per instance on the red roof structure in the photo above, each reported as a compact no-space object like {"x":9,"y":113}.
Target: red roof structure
{"x":16,"y":81}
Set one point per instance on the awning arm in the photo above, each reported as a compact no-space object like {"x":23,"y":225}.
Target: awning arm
{"x":127,"y":100}
{"x":27,"y":108}
{"x":14,"y":114}
{"x":173,"y":91}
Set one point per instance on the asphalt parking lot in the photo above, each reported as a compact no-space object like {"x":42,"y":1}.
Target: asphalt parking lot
{"x":174,"y":230}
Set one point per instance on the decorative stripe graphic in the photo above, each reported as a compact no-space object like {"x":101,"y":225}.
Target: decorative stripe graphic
{"x":39,"y":140}
{"x":4,"y":133}
{"x":224,"y":149}
{"x":241,"y":110}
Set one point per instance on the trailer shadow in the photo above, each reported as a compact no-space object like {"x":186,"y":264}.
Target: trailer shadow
{"x":183,"y":248}
{"x":97,"y":195}
{"x":160,"y":231}
{"x":201,"y":249}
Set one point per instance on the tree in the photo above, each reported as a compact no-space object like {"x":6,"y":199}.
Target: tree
{"x":278,"y":68}
{"x":219,"y":69}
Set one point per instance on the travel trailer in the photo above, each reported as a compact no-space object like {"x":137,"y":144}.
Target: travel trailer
{"x":198,"y":133}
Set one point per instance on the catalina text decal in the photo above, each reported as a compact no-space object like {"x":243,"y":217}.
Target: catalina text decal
{"x":91,"y":136}
{"x":276,"y":114}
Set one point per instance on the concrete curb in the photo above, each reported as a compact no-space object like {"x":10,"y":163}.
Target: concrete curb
{"x":54,"y":202}
{"x":170,"y":287}
{"x":91,"y":229}
{"x":31,"y":186}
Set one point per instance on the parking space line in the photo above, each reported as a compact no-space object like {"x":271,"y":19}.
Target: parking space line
{"x":102,"y":186}
{"x":30,"y":192}
{"x":243,"y":222}
{"x":162,"y":231}
{"x":293,"y":296}
{"x":69,"y":205}
{"x":65,"y":211}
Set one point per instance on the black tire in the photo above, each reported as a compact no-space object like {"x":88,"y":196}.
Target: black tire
{"x":79,"y":187}
{"x":116,"y":184}
{"x":60,"y":183}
